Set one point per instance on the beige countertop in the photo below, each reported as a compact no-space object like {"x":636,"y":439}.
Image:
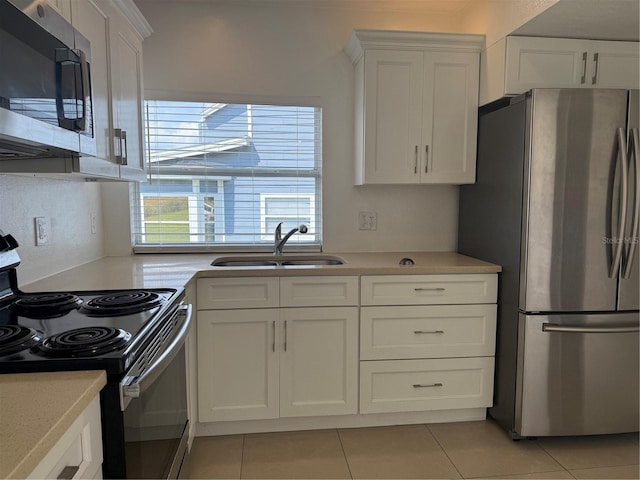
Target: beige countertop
{"x":37,"y":408}
{"x":176,"y":270}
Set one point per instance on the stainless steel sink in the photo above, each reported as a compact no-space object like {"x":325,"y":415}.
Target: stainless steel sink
{"x":315,"y":260}
{"x":277,"y":261}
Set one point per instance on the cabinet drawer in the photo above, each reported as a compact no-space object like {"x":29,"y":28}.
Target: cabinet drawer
{"x":428,"y":289}
{"x":412,"y":385}
{"x":224,"y":293}
{"x":318,"y":291}
{"x":427,"y":332}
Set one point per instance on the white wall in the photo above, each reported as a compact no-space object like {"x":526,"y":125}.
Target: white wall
{"x":220,"y":48}
{"x":216,"y":47}
{"x":68,"y":206}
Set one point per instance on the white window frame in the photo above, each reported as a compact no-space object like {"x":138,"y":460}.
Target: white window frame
{"x":263,"y":212}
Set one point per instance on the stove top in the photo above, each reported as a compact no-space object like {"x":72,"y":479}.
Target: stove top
{"x":79,"y":330}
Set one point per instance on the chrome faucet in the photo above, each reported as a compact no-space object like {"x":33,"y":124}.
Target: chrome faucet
{"x":279,"y":240}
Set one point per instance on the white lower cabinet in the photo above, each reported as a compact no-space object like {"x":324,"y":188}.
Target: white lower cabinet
{"x":261,"y":363}
{"x":272,"y":347}
{"x":429,"y":384}
{"x":237,"y":364}
{"x":78,"y":453}
{"x":427,"y":342}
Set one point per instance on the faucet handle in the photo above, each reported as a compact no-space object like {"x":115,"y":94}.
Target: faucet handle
{"x":278,"y":233}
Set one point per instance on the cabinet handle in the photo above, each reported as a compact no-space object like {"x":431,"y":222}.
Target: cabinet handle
{"x":125,"y":150}
{"x":428,"y":385}
{"x":595,"y":71}
{"x":415,"y":161}
{"x":583,"y":79}
{"x":438,"y":332}
{"x":68,"y":472}
{"x":285,"y":335}
{"x":435,"y":289}
{"x":426,"y":158}
{"x":117,"y":134}
{"x":273,"y":342}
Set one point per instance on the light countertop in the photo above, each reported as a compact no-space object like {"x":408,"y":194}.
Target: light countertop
{"x":176,"y":270}
{"x":37,"y":409}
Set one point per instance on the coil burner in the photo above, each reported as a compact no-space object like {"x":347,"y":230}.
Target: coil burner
{"x":84,"y":342}
{"x":45,"y":305}
{"x":14,"y":339}
{"x":121,"y":303}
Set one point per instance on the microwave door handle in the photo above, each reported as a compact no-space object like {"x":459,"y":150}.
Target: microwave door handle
{"x":622,"y":217}
{"x":66,"y":56}
{"x":134,"y":387}
{"x":633,"y":238}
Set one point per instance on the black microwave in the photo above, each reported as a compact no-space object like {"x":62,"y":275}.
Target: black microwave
{"x":45,"y":84}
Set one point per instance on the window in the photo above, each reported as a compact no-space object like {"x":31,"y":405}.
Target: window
{"x":224,"y":175}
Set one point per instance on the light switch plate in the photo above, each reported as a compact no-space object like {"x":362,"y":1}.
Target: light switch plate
{"x":43,"y":228}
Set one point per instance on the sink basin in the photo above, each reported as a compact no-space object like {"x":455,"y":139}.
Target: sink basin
{"x":314,"y":260}
{"x":277,"y":261}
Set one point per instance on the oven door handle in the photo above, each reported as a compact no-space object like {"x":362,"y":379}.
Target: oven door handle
{"x":133,"y":387}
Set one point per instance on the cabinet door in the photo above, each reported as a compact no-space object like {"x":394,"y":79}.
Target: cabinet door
{"x":614,"y":65}
{"x":237,"y":365}
{"x":92,"y":21}
{"x":63,"y":7}
{"x":450,"y":117}
{"x":533,"y":62}
{"x":392,"y":116}
{"x":319,"y":361}
{"x":126,"y":64}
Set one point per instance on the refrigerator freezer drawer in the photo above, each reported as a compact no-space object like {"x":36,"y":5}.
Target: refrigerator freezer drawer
{"x":578,"y":374}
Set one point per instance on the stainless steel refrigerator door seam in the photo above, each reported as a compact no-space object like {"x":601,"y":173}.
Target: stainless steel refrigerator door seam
{"x":632,"y":239}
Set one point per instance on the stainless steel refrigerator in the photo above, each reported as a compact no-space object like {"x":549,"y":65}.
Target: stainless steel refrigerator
{"x":556,"y":204}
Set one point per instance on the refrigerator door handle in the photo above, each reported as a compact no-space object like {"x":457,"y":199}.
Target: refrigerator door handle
{"x":618,"y":241}
{"x":632,"y":240}
{"x":552,"y":327}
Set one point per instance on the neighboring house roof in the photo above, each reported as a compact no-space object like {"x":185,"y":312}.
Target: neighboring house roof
{"x":164,"y":156}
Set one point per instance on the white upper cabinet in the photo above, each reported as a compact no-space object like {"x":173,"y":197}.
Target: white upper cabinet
{"x":416,"y":106}
{"x":115,"y":30}
{"x":533,"y":62}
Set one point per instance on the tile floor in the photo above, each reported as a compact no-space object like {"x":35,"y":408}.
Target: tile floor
{"x":451,"y":450}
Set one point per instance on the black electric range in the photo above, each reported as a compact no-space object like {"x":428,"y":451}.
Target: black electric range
{"x":136,"y":335}
{"x":49,"y":331}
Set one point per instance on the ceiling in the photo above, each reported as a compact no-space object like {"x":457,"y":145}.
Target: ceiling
{"x":596,"y":19}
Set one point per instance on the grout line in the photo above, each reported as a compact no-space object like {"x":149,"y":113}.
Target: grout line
{"x":242,"y":456}
{"x":443,"y":450}
{"x":346,"y":459}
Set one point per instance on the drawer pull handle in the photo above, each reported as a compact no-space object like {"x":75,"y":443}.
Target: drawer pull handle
{"x":68,"y":472}
{"x":422,"y":385}
{"x":438,"y":332}
{"x":434,"y":289}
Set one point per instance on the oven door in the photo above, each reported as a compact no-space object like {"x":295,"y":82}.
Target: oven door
{"x":154,"y":404}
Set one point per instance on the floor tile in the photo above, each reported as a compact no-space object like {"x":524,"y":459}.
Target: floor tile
{"x":308,"y":454}
{"x":561,"y":475}
{"x":482,"y":449}
{"x":215,"y":457}
{"x":395,"y":452}
{"x":591,"y":451}
{"x":625,"y":471}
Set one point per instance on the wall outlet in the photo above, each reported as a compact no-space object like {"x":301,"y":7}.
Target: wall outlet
{"x":367,"y":220}
{"x":94,"y":223}
{"x":43,"y":230}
